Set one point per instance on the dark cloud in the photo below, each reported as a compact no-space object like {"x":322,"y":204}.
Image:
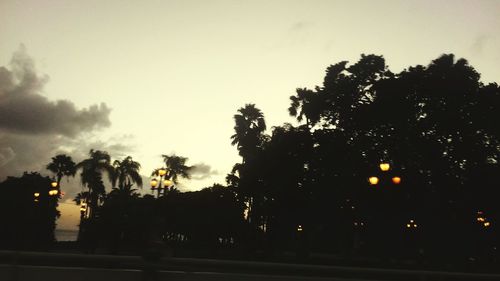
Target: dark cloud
{"x":6,"y":155}
{"x":24,"y":110}
{"x":202,"y":171}
{"x":33,"y":128}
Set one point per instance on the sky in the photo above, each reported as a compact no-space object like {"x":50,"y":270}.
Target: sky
{"x":145,"y":78}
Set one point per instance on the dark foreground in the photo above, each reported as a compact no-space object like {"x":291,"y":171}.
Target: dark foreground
{"x":21,"y":266}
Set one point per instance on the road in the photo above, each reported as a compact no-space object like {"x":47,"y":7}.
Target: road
{"x":33,"y":266}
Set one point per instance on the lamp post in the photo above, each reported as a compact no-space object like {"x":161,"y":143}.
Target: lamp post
{"x":54,"y":191}
{"x":384,"y":167}
{"x":483,"y":220}
{"x":411,"y":224}
{"x":36,"y":197}
{"x":161,"y":184}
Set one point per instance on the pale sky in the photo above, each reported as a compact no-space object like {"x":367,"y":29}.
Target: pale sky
{"x":174,"y":73}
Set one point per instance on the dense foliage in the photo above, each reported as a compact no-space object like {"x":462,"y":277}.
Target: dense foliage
{"x":305,"y":187}
{"x":27,"y":212}
{"x":435,"y":126}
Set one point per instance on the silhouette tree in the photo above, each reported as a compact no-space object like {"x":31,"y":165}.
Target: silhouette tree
{"x":81,"y":197}
{"x":91,"y":177}
{"x":249,"y":131}
{"x":176,"y":167}
{"x":27,"y":213}
{"x":433,"y":123}
{"x":126,"y":173}
{"x":61,"y":165}
{"x":249,"y":139}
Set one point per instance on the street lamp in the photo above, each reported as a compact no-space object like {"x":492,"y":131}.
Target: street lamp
{"x":373,"y":180}
{"x":162,"y":184}
{"x":411,"y":224}
{"x":83,"y":209}
{"x":396,"y":180}
{"x":384,"y":167}
{"x":53,"y":191}
{"x":481,"y":219}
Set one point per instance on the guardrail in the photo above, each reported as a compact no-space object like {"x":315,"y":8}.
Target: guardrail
{"x":20,"y":266}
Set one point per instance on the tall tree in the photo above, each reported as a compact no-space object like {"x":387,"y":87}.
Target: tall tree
{"x":249,"y":131}
{"x":62,"y":165}
{"x":92,"y":169}
{"x":176,"y":167}
{"x":126,"y":173}
{"x":431,"y":122}
{"x":250,"y":138}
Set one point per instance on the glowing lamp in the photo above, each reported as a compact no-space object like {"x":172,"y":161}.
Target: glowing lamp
{"x":486,"y":224}
{"x":53,"y":184}
{"x":299,"y":228}
{"x":384,"y":167}
{"x":396,"y":180}
{"x":411,"y":224}
{"x":167,"y":183}
{"x":373,"y":180}
{"x":162,"y":172}
{"x":36,"y":194}
{"x":154,"y":183}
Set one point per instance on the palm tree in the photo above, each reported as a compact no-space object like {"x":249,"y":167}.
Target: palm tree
{"x":249,"y":138}
{"x":308,"y":104}
{"x":249,"y":128}
{"x":81,"y":197}
{"x":126,"y":173}
{"x":91,"y":176}
{"x":176,"y":167}
{"x":62,"y":165}
{"x":125,"y":192}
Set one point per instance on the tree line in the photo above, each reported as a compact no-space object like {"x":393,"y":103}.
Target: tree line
{"x":318,"y":185}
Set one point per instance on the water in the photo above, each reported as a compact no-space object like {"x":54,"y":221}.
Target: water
{"x":66,"y":234}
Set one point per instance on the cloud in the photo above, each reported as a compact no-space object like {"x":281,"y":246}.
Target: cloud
{"x":33,"y":128}
{"x":202,"y":171}
{"x":6,"y":154}
{"x":24,"y":110}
